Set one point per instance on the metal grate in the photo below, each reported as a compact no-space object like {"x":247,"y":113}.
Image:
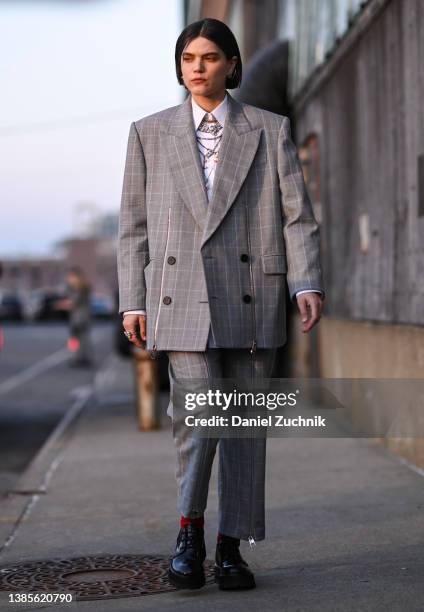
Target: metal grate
{"x":94,"y":577}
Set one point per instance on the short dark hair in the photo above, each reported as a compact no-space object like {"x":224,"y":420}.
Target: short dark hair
{"x":75,"y":270}
{"x":219,"y":33}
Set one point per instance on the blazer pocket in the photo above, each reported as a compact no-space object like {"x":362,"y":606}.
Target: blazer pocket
{"x":147,"y":269}
{"x":274,"y":264}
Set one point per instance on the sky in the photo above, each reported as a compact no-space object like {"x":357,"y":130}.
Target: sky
{"x":74,"y":74}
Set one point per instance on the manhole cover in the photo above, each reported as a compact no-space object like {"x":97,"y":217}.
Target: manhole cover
{"x":96,"y":577}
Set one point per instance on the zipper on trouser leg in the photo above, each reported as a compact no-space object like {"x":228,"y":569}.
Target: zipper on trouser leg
{"x":153,"y":354}
{"x":251,"y":538}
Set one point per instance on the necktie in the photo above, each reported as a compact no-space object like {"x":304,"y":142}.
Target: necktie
{"x":209,"y":134}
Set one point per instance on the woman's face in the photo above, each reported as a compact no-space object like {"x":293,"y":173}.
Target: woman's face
{"x":73,"y":280}
{"x":203,"y":59}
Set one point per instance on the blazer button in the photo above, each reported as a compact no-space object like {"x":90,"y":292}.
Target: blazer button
{"x":167,"y":300}
{"x":247,"y":299}
{"x":171,"y":260}
{"x":244,"y":257}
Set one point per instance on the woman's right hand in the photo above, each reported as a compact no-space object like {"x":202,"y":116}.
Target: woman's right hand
{"x":136,"y":324}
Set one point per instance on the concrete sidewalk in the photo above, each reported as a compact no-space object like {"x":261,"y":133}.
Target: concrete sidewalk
{"x":345,"y":519}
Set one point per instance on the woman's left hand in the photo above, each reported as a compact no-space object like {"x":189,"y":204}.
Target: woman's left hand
{"x":310,"y":308}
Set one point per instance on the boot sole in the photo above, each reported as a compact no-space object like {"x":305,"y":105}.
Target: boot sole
{"x":227,"y":583}
{"x":186,"y":581}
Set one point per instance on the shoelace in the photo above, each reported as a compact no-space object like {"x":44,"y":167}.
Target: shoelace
{"x":191,"y":536}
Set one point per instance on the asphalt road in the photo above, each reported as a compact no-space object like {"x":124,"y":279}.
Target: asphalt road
{"x":37,"y":387}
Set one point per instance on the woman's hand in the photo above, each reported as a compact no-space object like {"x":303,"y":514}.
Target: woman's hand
{"x":63,"y":304}
{"x":136,"y":324}
{"x":310,"y":308}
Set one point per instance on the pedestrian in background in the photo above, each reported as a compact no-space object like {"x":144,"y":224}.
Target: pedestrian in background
{"x":79,"y":303}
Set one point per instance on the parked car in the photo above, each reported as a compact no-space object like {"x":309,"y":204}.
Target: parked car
{"x":44,"y":305}
{"x":102,"y":307}
{"x":10,"y":307}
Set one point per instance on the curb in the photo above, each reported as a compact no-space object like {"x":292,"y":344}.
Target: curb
{"x":36,"y":477}
{"x":34,"y":481}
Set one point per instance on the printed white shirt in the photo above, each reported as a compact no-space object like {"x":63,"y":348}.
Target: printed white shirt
{"x":219,"y":112}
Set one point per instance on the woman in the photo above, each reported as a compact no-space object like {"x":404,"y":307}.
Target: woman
{"x":215,"y":218}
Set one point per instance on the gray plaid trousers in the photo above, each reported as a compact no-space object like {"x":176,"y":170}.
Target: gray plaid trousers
{"x":241,"y":472}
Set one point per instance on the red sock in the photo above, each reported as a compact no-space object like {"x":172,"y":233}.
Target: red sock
{"x":186,"y":520}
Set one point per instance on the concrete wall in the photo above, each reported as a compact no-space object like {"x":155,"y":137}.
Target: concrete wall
{"x":365,"y":107}
{"x":349,"y":349}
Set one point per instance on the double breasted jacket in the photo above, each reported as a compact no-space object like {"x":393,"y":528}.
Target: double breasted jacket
{"x":226,"y":263}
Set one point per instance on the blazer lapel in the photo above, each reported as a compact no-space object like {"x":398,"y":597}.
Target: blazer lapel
{"x":184,"y":162}
{"x":236,"y":153}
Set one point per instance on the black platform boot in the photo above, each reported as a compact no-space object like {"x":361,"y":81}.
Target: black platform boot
{"x":186,"y":567}
{"x":231,"y":570}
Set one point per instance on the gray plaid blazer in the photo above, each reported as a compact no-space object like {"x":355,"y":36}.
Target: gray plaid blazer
{"x":224,"y":264}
